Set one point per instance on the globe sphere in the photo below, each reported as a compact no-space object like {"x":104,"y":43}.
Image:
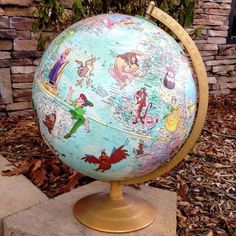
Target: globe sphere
{"x":115,"y":97}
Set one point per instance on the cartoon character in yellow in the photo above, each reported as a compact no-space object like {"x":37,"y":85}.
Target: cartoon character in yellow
{"x":172,"y":119}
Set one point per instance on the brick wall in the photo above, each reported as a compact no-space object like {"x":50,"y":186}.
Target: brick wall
{"x":19,"y":56}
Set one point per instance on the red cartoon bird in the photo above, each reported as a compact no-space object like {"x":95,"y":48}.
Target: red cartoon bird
{"x":104,"y":161}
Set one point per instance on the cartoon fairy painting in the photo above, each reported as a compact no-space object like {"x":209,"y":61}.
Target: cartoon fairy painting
{"x":191,"y":106}
{"x":126,"y":67}
{"x":172,"y":119}
{"x":84,"y":71}
{"x":56,"y":72}
{"x":78,"y":113}
{"x":104,"y":161}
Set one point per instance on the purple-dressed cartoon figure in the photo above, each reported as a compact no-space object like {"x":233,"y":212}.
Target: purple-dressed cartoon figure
{"x":169,"y":80}
{"x":56,"y":72}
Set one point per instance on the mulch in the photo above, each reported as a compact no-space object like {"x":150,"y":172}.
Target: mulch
{"x":205,"y":182}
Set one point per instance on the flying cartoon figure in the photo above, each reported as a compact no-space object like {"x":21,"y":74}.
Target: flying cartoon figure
{"x":78,"y":112}
{"x":85,"y":71}
{"x":104,"y":161}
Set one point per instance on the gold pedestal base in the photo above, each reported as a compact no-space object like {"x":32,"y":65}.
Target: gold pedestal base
{"x":109,"y":213}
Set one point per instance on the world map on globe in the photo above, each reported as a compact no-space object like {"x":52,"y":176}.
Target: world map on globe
{"x":115,"y":96}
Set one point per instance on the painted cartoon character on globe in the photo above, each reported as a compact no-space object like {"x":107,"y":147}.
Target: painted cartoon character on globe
{"x":49,"y":121}
{"x":172,"y":119}
{"x":84,"y":71}
{"x":141,"y":101}
{"x":56,"y":72}
{"x":126,"y":67}
{"x":142,"y":108}
{"x":169,"y":80}
{"x":78,"y":113}
{"x":104,"y":161}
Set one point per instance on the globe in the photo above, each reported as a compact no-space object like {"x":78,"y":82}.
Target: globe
{"x":115,"y":97}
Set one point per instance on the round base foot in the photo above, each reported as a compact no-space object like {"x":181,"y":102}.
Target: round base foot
{"x":98,"y":211}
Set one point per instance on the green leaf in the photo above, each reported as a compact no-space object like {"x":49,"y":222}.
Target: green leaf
{"x":189,"y":15}
{"x":186,"y":2}
{"x":36,"y":13}
{"x":128,"y":9}
{"x":97,"y":5}
{"x":35,"y":27}
{"x":51,"y":3}
{"x":46,"y":18}
{"x":164,"y":6}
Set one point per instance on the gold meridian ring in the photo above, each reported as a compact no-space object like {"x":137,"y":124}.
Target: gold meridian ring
{"x":200,"y":70}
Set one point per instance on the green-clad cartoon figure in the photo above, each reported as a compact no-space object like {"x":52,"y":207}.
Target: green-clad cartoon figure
{"x":78,"y":113}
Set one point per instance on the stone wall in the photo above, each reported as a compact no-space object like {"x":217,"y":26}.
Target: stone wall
{"x":219,"y":57}
{"x":19,"y":56}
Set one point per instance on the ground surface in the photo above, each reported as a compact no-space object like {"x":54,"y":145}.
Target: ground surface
{"x":205,"y":182}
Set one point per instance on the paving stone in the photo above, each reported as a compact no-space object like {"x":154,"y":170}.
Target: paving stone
{"x":26,"y":54}
{"x":221,"y":62}
{"x":22,"y":69}
{"x":5,"y":44}
{"x":207,"y":47}
{"x":15,"y":62}
{"x":20,"y":34}
{"x":24,"y":113}
{"x":217,"y":33}
{"x":21,"y":23}
{"x":4,"y":22}
{"x":21,"y":93}
{"x":22,"y":78}
{"x":23,"y":99}
{"x":19,"y":106}
{"x":221,"y":12}
{"x":5,"y":55}
{"x":211,"y":80}
{"x":229,"y":49}
{"x":207,"y":22}
{"x":217,"y":40}
{"x":7,"y":33}
{"x":17,"y":194}
{"x":2,"y":12}
{"x":55,"y":217}
{"x":22,"y":85}
{"x":16,"y":11}
{"x":5,"y":85}
{"x":25,"y":45}
{"x":223,"y":68}
{"x":16,"y":2}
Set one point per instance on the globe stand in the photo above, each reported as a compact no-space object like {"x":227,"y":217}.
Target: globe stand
{"x":114,"y":212}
